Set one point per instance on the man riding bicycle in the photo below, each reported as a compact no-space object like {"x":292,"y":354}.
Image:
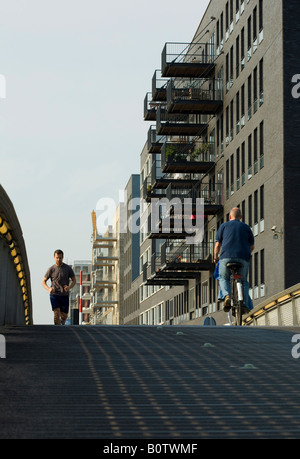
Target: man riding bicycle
{"x":236,"y":242}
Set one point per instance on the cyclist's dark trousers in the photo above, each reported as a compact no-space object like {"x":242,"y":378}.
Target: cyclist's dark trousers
{"x":224,"y":279}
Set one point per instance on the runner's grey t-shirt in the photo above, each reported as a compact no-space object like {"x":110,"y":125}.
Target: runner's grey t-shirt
{"x":60,"y":276}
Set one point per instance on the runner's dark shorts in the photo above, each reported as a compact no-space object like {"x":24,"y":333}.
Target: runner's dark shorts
{"x":61,"y":302}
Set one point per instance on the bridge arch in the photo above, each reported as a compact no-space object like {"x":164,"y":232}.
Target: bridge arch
{"x":15,"y":286}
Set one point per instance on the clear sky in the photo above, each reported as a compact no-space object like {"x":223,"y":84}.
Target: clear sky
{"x":71,"y":125}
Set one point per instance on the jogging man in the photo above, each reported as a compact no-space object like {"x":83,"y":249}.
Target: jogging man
{"x":235,"y":240}
{"x":60,"y":275}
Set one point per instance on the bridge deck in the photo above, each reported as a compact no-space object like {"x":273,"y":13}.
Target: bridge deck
{"x":149,"y":383}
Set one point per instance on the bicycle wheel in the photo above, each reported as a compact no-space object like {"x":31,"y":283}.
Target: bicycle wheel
{"x":238,"y":314}
{"x":239,"y":303}
{"x":234,"y":297}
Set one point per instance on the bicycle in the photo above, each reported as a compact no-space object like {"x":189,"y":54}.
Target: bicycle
{"x":237,"y":292}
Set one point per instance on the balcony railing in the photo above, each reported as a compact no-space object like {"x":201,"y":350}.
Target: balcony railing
{"x":212,"y":193}
{"x":184,"y":262}
{"x":178,"y":124}
{"x":150,"y":107}
{"x":159,"y":87}
{"x":189,"y":254}
{"x":150,"y":192}
{"x":154,"y":141}
{"x":196,"y":96}
{"x":187,"y":156}
{"x":194,"y":60}
{"x":162,"y":180}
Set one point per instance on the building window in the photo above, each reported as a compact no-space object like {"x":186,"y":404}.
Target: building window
{"x":222,"y":31}
{"x":237,"y":10}
{"x":243,"y":49}
{"x":237,"y":113}
{"x":249,"y":97}
{"x":249,"y":157}
{"x":256,"y":292}
{"x":260,"y":20}
{"x":231,"y":121}
{"x":231,"y":67}
{"x":250,"y":211}
{"x":255,"y":91}
{"x":255,"y":228}
{"x":255,"y":29}
{"x":237,"y":56}
{"x":243,"y":163}
{"x":238,"y":181}
{"x":261,"y":145}
{"x":262,"y":273}
{"x":227,"y":72}
{"x":249,"y":41}
{"x":227,"y":126}
{"x":262,"y":209}
{"x":227,"y":179}
{"x":227,"y":21}
{"x":231,"y":175}
{"x":243,"y":106}
{"x":261,"y":82}
{"x":255,"y":151}
{"x":205,"y":293}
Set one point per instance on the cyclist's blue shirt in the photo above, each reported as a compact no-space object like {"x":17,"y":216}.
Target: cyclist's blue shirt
{"x":236,"y":238}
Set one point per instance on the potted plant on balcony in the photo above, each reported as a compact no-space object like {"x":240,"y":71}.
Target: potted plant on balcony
{"x":201,"y":151}
{"x":170,"y":152}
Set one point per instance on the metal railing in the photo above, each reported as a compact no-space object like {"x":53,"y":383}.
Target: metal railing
{"x":159,"y":84}
{"x":150,"y":106}
{"x":192,"y":53}
{"x":179,"y":152}
{"x":212,"y":193}
{"x":198,"y":89}
{"x":187,"y":253}
{"x":154,"y":141}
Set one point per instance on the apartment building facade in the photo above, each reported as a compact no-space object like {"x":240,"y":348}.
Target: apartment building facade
{"x":106,"y":273}
{"x":223,"y":115}
{"x":81,"y":268}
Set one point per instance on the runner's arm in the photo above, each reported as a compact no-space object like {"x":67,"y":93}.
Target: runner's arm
{"x":67,"y":288}
{"x":44,"y":284}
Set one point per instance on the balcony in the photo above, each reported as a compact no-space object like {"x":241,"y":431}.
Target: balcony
{"x":150,"y":107}
{"x":150,"y":192}
{"x":188,"y":157}
{"x":166,"y":222}
{"x":159,"y":87}
{"x":182,"y":263}
{"x":178,"y":124}
{"x":204,"y":97}
{"x":104,"y":242}
{"x":165,"y":229}
{"x":160,"y":180}
{"x":154,"y":141}
{"x":188,"y":60}
{"x":105,"y":258}
{"x":103,"y":279}
{"x":104,"y":304}
{"x":189,"y":258}
{"x":154,"y":275}
{"x":213,"y":195}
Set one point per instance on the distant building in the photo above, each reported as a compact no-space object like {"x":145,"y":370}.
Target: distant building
{"x":79,"y":266}
{"x":131,"y":261}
